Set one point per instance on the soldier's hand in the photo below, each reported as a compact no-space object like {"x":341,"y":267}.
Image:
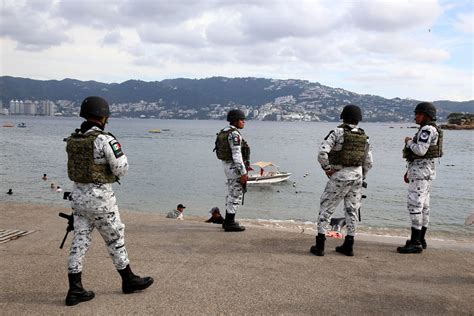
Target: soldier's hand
{"x":243,"y":179}
{"x":405,"y":177}
{"x":330,"y":172}
{"x":407,"y":139}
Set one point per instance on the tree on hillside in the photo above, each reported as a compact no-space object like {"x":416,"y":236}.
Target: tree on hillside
{"x":460,"y":118}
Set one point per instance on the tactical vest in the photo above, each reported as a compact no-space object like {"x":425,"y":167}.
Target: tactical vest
{"x":80,"y":164}
{"x":353,"y":148}
{"x":222,"y":147}
{"x":434,"y":151}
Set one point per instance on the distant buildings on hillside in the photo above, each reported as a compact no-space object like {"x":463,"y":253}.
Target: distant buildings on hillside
{"x":27,"y":107}
{"x":283,"y":108}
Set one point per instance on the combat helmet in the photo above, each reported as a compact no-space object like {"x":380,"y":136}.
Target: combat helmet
{"x":235,"y":115}
{"x":351,"y":113}
{"x":94,"y":106}
{"x":428,"y":108}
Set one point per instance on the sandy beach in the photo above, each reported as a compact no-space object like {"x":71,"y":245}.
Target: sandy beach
{"x":199,"y":269}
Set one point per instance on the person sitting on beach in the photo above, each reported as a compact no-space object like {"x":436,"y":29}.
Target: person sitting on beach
{"x":10,"y":191}
{"x":178,"y":213}
{"x":469,"y":220}
{"x":216,"y":216}
{"x":58,"y":189}
{"x":45,"y":177}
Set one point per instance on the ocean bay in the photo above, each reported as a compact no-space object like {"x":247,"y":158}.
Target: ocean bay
{"x":178,"y":166}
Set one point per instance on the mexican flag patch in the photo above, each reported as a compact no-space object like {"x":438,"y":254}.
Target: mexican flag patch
{"x":116,"y":148}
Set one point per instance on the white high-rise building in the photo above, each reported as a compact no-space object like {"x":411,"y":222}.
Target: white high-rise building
{"x":12,"y":107}
{"x":29,"y":108}
{"x":49,"y":108}
{"x":20,"y":107}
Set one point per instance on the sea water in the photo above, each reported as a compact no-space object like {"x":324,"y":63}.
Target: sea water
{"x":178,"y":165}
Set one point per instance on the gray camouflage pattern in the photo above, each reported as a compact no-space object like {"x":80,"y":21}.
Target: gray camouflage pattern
{"x":337,"y":190}
{"x":418,"y":202}
{"x":421,"y":172}
{"x":345,"y":184}
{"x":236,"y":168}
{"x":234,"y":196}
{"x":423,"y":169}
{"x":233,"y":170}
{"x":94,"y":206}
{"x":110,"y":228}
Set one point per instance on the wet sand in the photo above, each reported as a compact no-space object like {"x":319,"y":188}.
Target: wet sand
{"x":199,"y":269}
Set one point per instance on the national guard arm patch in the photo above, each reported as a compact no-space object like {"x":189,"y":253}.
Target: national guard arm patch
{"x":116,"y":148}
{"x":424,"y":136}
{"x":236,"y":140}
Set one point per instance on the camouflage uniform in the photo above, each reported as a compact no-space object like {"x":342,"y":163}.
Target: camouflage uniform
{"x":420,"y":174}
{"x":345,"y":184}
{"x":94,"y":206}
{"x":233,"y":170}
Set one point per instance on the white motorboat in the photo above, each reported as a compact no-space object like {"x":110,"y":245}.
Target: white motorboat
{"x":263,"y":172}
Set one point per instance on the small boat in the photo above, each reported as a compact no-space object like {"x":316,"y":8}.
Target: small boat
{"x":154,"y":131}
{"x":22,"y":125}
{"x":8,"y":125}
{"x":263,"y":172}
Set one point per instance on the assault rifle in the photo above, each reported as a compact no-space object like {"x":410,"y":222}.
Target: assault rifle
{"x":244,"y":190}
{"x":244,"y":186}
{"x":69,"y":228}
{"x":364,"y":185}
{"x":70,"y":220}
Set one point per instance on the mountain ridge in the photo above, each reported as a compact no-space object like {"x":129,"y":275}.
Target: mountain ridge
{"x":272,"y":97}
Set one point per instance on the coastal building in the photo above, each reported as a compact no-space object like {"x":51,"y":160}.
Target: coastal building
{"x":29,"y":108}
{"x":48,"y":108}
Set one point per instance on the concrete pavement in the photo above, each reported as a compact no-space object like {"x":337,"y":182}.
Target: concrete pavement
{"x":199,"y":269}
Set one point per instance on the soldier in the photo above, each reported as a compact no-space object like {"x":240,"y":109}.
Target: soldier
{"x":234,"y":152}
{"x":345,"y":157}
{"x":420,"y":152}
{"x":95,"y":161}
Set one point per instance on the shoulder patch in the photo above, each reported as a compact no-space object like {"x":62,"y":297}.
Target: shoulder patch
{"x":116,"y":148}
{"x":236,"y":140}
{"x":424,"y":136}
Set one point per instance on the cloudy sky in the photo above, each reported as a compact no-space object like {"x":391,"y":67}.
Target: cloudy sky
{"x":394,"y":48}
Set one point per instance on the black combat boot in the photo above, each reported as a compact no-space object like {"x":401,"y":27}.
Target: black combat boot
{"x":230,"y":225}
{"x":131,"y":282}
{"x":422,"y":237}
{"x":76,"y":293}
{"x":318,"y":249}
{"x":424,"y":245}
{"x":414,"y":244}
{"x":347,"y":246}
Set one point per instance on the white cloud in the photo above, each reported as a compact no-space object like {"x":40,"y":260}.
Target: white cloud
{"x":389,"y":15}
{"x":368,"y":46}
{"x":400,"y":47}
{"x":300,"y":19}
{"x":417,"y":81}
{"x":112,"y":38}
{"x":31,"y":26}
{"x":465,"y":23}
{"x":180,"y":35}
{"x":103,"y":14}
